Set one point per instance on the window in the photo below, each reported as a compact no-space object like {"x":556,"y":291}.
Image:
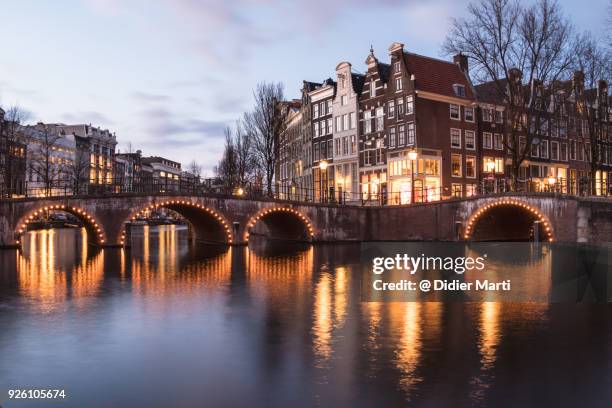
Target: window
{"x":487,"y":114}
{"x":544,"y":149}
{"x":409,"y":105}
{"x":353,"y":144}
{"x":372,"y":88}
{"x":470,"y":190}
{"x":492,"y":164}
{"x":330,"y":125}
{"x":345,"y":146}
{"x":455,"y":138}
{"x":315,"y":113}
{"x":343,"y":98}
{"x":402,"y":135}
{"x":487,"y":140}
{"x":554,"y":150}
{"x":337,"y":147}
{"x":338,"y":124}
{"x":352,"y":120}
{"x":400,"y":107}
{"x":316,"y":129}
{"x":367,"y":122}
{"x":315,"y":153}
{"x":397,"y":67}
{"x":322,"y":109}
{"x":498,"y":141}
{"x":454,"y":112}
{"x":459,"y":90}
{"x":456,"y":189}
{"x":345,"y":122}
{"x":564,"y":151}
{"x":329,"y":149}
{"x":411,"y":134}
{"x":456,"y":165}
{"x":499,"y":116}
{"x":573,"y":150}
{"x":398,"y":84}
{"x":380,"y":120}
{"x":329,"y":106}
{"x":470,"y":140}
{"x":470,"y":166}
{"x":392,"y":137}
{"x":469,"y":114}
{"x":535,"y":151}
{"x":391,"y":109}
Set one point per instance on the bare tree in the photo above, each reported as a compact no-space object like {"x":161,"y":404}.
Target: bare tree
{"x":227,"y":169}
{"x":264,"y":125}
{"x":43,"y":162}
{"x":522,"y":53}
{"x":195,"y":169}
{"x":78,"y":170}
{"x":11,"y":141}
{"x":591,"y":80}
{"x":245,"y":162}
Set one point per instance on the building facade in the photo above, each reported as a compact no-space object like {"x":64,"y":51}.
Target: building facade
{"x":345,"y":110}
{"x":321,"y":99}
{"x":165,"y":173}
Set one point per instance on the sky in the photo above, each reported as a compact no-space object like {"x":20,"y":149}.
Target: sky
{"x":168,"y":76}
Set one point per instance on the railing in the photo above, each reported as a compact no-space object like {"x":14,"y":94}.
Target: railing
{"x":329,"y":195}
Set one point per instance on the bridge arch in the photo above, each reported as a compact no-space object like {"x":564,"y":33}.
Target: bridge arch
{"x":95,"y":230}
{"x":507,"y":220}
{"x":208,"y":224}
{"x":282,"y":223}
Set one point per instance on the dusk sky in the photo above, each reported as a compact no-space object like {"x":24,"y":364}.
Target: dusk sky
{"x":169,"y":76}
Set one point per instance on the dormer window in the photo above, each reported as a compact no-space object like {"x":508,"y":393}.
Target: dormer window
{"x":459,"y":90}
{"x":397,"y":67}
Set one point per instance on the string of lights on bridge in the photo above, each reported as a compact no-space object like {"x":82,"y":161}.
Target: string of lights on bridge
{"x":191,"y":204}
{"x":472,"y":221}
{"x":268,"y":211}
{"x":80,"y":213}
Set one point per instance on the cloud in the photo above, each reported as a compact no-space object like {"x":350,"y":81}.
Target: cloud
{"x":95,"y":118}
{"x":163,"y":126}
{"x":149,"y":97}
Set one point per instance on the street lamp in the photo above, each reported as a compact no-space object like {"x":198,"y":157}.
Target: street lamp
{"x":323,"y":185}
{"x":412,"y":156}
{"x":240,"y":191}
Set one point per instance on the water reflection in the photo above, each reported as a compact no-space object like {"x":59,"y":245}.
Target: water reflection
{"x":169,"y":322}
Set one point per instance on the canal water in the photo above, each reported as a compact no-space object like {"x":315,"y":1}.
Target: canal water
{"x":170,"y":324}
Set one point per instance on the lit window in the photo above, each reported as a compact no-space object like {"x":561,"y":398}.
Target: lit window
{"x":470,"y":166}
{"x":456,"y":165}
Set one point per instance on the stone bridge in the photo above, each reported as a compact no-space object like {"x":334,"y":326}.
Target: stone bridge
{"x":232,"y":220}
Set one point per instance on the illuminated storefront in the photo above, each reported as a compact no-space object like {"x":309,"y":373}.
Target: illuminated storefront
{"x":426,"y":178}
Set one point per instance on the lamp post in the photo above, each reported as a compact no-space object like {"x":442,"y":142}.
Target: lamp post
{"x":412,"y":156}
{"x":323,"y":186}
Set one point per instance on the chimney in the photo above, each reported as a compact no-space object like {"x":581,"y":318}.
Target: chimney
{"x":462,"y":61}
{"x":578,"y":82}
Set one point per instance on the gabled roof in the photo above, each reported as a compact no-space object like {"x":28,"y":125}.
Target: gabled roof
{"x":383,"y":71}
{"x":489,"y":92}
{"x":437,"y":76}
